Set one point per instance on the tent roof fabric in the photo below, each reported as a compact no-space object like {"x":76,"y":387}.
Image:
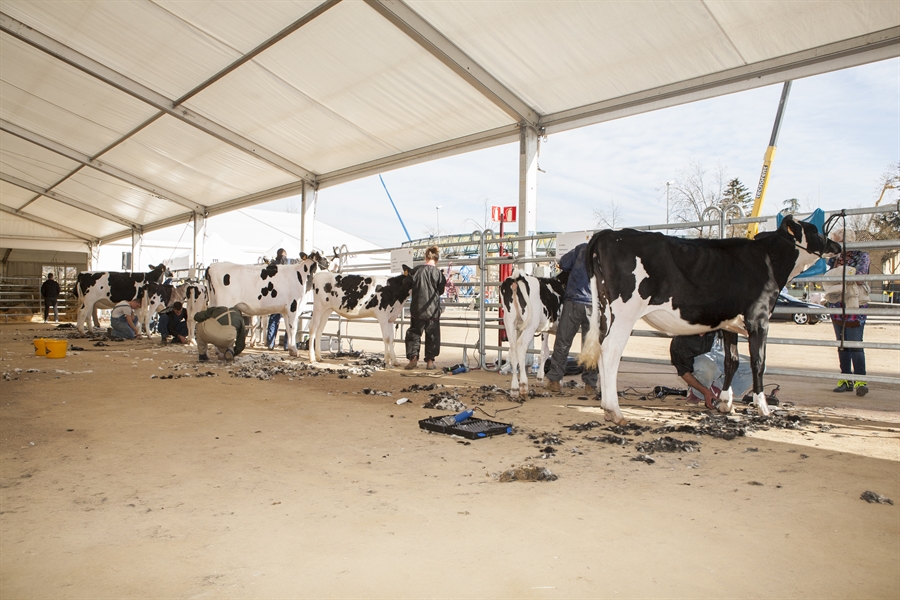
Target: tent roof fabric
{"x":131,"y":116}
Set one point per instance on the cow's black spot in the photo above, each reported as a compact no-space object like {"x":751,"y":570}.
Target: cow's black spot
{"x":294,"y":305}
{"x":327,"y":288}
{"x":227,"y":279}
{"x":368,"y":280}
{"x":269,"y":271}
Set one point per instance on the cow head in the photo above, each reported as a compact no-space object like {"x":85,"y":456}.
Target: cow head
{"x":158,"y":273}
{"x":807,"y":238}
{"x":318,"y":262}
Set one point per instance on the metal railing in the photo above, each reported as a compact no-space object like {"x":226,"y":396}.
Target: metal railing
{"x":20,"y":297}
{"x":458,"y":250}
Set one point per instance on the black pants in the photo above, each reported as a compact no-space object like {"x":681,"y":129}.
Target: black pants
{"x":432,"y":330}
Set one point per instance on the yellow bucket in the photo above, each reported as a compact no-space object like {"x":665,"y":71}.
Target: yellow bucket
{"x":39,"y":348}
{"x":56,"y":348}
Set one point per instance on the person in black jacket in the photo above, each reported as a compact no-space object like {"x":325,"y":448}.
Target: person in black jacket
{"x":50,"y":294}
{"x":425,"y":310}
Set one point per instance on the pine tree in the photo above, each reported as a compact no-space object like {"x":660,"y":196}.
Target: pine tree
{"x":736,"y":192}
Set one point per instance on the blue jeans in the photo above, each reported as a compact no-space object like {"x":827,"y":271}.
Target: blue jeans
{"x":272,"y":331}
{"x":120,"y":328}
{"x":852,"y":360}
{"x":575,"y":317}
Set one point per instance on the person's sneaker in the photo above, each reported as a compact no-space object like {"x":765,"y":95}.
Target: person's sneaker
{"x":429,"y":365}
{"x":552,"y":386}
{"x":411,"y":364}
{"x":229,"y":355}
{"x":844,"y":386}
{"x":163,"y":341}
{"x":204,"y":358}
{"x":861,"y":388}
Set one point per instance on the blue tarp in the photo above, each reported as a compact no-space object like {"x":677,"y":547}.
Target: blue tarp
{"x":817,"y":218}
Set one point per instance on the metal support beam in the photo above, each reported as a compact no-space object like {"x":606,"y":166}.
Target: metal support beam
{"x":432,"y":40}
{"x":527,"y":214}
{"x":308,"y":218}
{"x":66,"y":200}
{"x":136,"y":241}
{"x":73,"y":232}
{"x":101,"y":166}
{"x":198,"y":258}
{"x":854,"y":52}
{"x":137,"y":90}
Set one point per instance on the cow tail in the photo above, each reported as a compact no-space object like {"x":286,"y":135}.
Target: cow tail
{"x":590,"y":350}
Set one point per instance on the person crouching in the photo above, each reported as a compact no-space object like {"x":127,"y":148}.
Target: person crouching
{"x":223,"y":328}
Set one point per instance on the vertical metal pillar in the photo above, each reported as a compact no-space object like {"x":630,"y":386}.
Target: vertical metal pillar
{"x":93,"y":259}
{"x":527,"y":217}
{"x":199,"y":239}
{"x":136,"y":240}
{"x":307,"y":218}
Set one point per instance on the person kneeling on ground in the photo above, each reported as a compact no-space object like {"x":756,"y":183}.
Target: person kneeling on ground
{"x":700,"y":362}
{"x":222,"y":327}
{"x":123,"y":323}
{"x":173,"y":322}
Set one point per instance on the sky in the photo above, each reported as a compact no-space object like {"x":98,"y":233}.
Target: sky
{"x":839,"y":135}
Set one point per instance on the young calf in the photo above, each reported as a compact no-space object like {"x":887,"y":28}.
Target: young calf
{"x":531,"y":305}
{"x":358,"y":297}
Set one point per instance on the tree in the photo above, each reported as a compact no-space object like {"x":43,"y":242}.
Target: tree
{"x":609,"y":217}
{"x":791,"y":206}
{"x":736,"y":192}
{"x":694,"y":191}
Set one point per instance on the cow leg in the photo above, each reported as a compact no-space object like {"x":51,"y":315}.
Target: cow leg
{"x":512,"y":336}
{"x":316,"y":327}
{"x":290,"y":330}
{"x":757,"y":336}
{"x":611,"y":350}
{"x":726,"y":397}
{"x":545,"y":354}
{"x":81,"y":319}
{"x":387,"y":334}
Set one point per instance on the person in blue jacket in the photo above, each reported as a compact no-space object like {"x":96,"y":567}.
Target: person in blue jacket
{"x":575,"y":316}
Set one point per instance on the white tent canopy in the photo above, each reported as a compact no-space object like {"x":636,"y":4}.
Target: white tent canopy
{"x":118,"y":118}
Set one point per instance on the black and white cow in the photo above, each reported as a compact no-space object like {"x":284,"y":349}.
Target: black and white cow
{"x":155,"y":298}
{"x":105,"y":289}
{"x":358,"y":297}
{"x":265,"y":289}
{"x":531,"y":305}
{"x":196,"y":299}
{"x":684,"y":287}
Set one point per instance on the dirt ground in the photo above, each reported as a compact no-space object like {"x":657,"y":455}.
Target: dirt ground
{"x":118,"y":482}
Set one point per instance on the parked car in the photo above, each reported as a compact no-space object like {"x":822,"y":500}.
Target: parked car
{"x":798,"y":308}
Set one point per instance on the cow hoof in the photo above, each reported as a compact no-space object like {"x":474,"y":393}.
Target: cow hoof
{"x":523,"y":390}
{"x":764,"y":411}
{"x":293,"y":352}
{"x":725,"y":408}
{"x":613,"y":418}
{"x":514,"y":393}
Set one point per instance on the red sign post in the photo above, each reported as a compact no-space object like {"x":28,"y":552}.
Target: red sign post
{"x":503,"y":214}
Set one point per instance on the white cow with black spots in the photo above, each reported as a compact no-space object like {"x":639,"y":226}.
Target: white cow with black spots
{"x":265,"y":289}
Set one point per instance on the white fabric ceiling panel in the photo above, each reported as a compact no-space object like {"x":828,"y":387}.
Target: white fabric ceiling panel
{"x":559,"y":55}
{"x":363,"y":91}
{"x":15,"y":226}
{"x":32,"y":163}
{"x":190,"y":163}
{"x":763,"y":30}
{"x":73,"y":218}
{"x":138,"y":38}
{"x":240,"y":25}
{"x":117,"y":197}
{"x":13,"y":196}
{"x":48,"y":97}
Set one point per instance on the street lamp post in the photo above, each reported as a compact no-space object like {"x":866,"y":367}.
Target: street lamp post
{"x":437,"y":210}
{"x":668,"y":183}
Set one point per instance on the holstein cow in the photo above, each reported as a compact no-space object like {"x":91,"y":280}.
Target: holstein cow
{"x":684,"y":287}
{"x":531,"y":305}
{"x":155,"y":298}
{"x":196,"y":299}
{"x":358,"y":297}
{"x":265,"y":289}
{"x":105,"y":289}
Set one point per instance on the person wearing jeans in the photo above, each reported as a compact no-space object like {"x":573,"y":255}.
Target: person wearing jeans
{"x":850,"y":327}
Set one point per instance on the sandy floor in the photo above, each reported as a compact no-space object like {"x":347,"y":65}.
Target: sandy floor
{"x":116,"y":484}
